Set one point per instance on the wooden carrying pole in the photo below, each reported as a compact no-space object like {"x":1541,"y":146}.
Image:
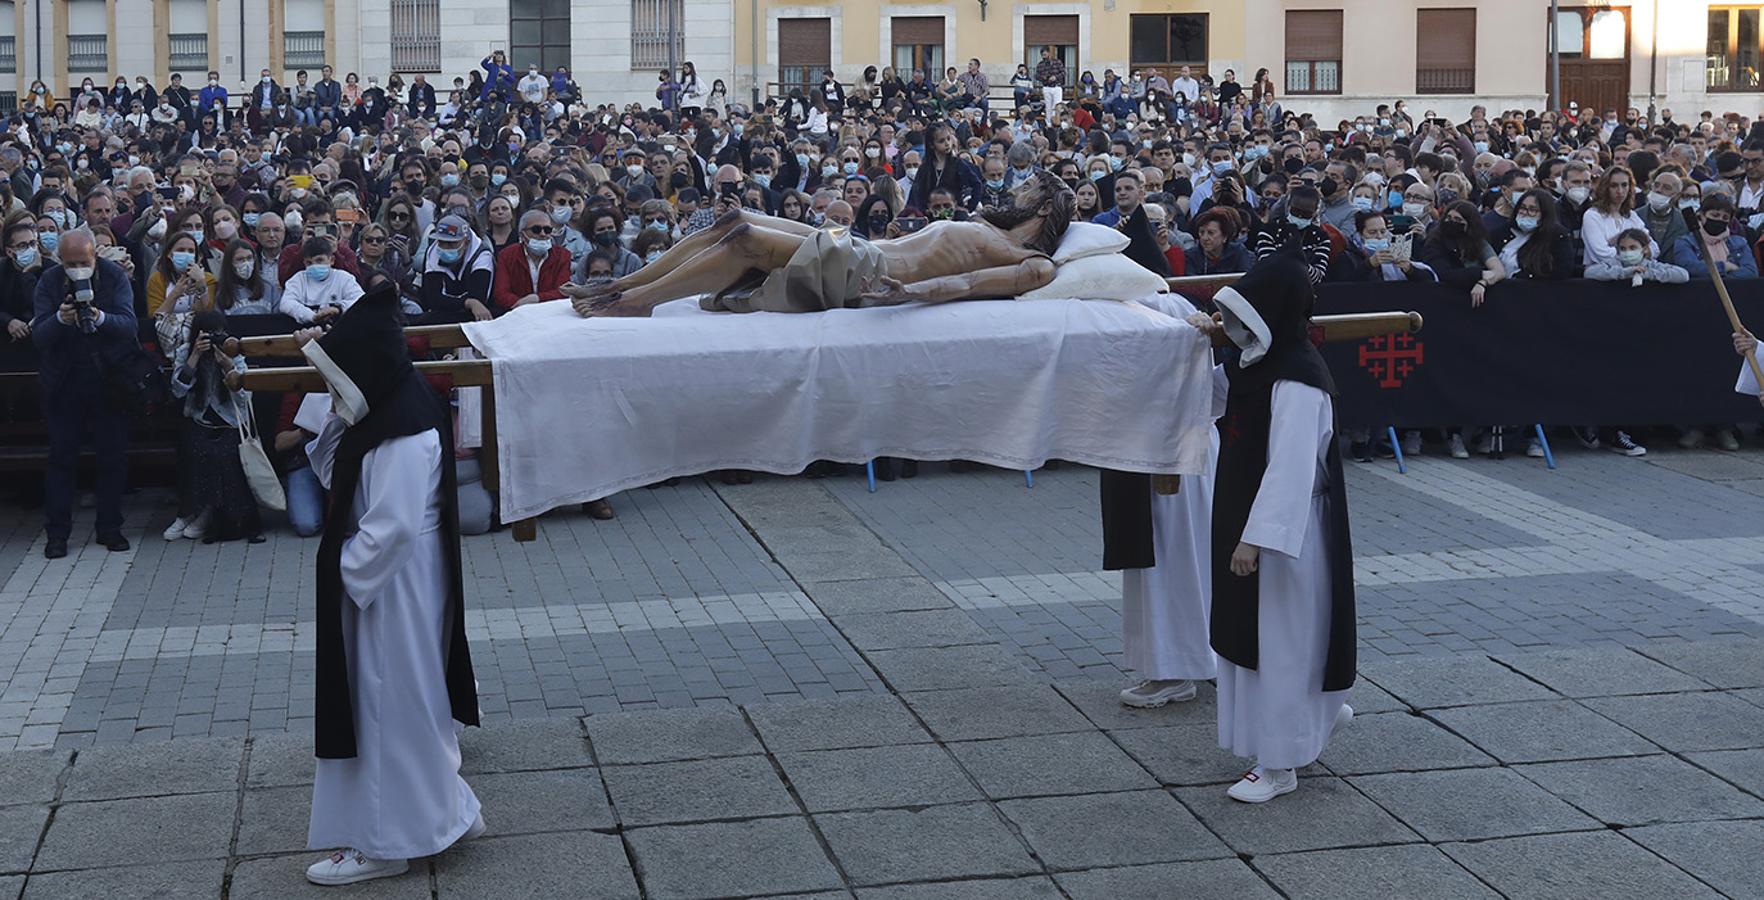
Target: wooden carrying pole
{"x":1727,"y":303}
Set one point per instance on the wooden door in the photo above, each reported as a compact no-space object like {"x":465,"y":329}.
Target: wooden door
{"x":1594,"y":49}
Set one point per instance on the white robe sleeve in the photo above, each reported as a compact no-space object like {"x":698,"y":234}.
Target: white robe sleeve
{"x":398,"y":479}
{"x":1221,"y":391}
{"x":321,"y":451}
{"x":1748,"y":383}
{"x":1282,"y":512}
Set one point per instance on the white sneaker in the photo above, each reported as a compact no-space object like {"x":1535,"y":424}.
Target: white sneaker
{"x":1260,"y":785}
{"x":1534,"y":449}
{"x":477,"y":830}
{"x":348,"y":866}
{"x":1342,"y":717}
{"x":1726,"y":439}
{"x":195,"y":529}
{"x":1624,"y":445}
{"x":1153,"y":694}
{"x":1412,"y":443}
{"x":1691,"y":439}
{"x":1455,"y":444}
{"x":176,"y":529}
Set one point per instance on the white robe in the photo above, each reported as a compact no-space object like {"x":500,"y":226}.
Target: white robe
{"x":1748,"y":383}
{"x":401,"y":797}
{"x":1279,"y":713}
{"x":1164,"y":609}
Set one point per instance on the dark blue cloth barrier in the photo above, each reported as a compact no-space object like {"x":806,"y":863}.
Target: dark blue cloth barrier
{"x":1566,"y":353}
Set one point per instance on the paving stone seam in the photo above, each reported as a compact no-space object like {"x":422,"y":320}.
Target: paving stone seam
{"x":814,"y":826}
{"x":612,"y":807}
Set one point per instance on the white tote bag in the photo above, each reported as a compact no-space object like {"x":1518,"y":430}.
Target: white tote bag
{"x":260,"y":474}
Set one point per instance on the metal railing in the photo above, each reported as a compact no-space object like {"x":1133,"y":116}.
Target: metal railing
{"x":1445,"y":81}
{"x":657,"y":25}
{"x":416,"y":36}
{"x":188,"y":52}
{"x":303,"y":49}
{"x":88,"y":53}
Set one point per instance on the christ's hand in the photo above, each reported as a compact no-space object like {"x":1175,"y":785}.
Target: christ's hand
{"x":893,"y":293}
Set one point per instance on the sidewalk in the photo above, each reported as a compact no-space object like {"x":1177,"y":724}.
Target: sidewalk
{"x":1607,"y":773}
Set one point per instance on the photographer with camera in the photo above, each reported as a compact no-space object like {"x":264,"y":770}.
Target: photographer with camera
{"x":83,"y":326}
{"x":215,"y":502}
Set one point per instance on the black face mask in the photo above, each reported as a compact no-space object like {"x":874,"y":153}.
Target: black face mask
{"x":1292,"y":165}
{"x":606,"y":238}
{"x":414,"y":188}
{"x":1713,"y":227}
{"x":1326,"y":187}
{"x":1451,"y":229}
{"x":679,"y":180}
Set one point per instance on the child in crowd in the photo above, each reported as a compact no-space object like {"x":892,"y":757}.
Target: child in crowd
{"x":1635,"y":264}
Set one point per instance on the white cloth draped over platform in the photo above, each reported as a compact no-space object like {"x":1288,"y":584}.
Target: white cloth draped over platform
{"x":590,"y":407}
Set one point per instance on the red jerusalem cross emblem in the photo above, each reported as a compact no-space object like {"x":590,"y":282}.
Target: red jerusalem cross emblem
{"x":1390,"y":358}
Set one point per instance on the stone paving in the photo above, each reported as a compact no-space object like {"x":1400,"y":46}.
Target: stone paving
{"x":1599,"y":772}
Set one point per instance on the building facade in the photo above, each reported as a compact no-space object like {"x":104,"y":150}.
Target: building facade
{"x":616,"y":48}
{"x":1334,"y":57}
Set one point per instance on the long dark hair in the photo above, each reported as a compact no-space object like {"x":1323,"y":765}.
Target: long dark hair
{"x":1537,"y":259}
{"x":1470,"y":242}
{"x":227,"y":290}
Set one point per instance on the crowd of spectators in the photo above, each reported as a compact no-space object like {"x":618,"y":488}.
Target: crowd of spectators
{"x":497,"y":188}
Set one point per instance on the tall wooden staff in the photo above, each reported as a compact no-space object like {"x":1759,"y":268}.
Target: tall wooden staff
{"x":1721,"y":291}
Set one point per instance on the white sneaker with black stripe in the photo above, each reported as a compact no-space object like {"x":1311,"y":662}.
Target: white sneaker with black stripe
{"x":1153,"y":694}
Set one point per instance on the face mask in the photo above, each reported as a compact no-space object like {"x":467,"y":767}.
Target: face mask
{"x":266,"y":80}
{"x":1374,"y":245}
{"x":1221,"y":167}
{"x":1395,"y":198}
{"x":1629,"y":257}
{"x":1690,"y":203}
{"x":762,"y":179}
{"x":1481,"y":146}
{"x":912,"y":172}
{"x":849,"y":168}
{"x":1659,"y":202}
{"x":561,"y":213}
{"x":802,"y":159}
{"x":197,"y":234}
{"x":318,"y":271}
{"x":658,"y":225}
{"x":292,"y":220}
{"x":26,"y":257}
{"x":449,"y":179}
{"x":157,"y":229}
{"x":1414,"y":210}
{"x":539,"y":246}
{"x":1578,"y":194}
{"x":80,"y":273}
{"x":996,"y":184}
{"x":606,"y":238}
{"x":1361,"y":203}
{"x":634,"y":171}
{"x":651,"y":256}
{"x":829,"y":170}
{"x":213,"y":81}
{"x":1299,"y":221}
{"x":245,"y":269}
{"x":225,"y":230}
{"x":450,"y":257}
{"x":1526,"y":224}
{"x":1714,"y":227}
{"x":1098,"y":175}
{"x":1451,"y":229}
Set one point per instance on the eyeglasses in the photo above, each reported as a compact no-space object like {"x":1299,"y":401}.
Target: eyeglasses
{"x":398,"y":217}
{"x":373,"y":240}
{"x":539,"y":230}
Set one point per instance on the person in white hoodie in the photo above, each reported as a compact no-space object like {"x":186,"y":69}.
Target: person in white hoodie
{"x":319,"y":292}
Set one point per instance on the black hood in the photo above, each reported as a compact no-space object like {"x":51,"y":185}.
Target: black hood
{"x":363,"y":357}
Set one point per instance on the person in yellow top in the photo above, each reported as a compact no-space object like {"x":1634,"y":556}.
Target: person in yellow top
{"x":177,"y":286}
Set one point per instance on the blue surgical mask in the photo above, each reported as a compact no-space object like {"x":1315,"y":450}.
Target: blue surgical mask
{"x":1629,"y":257}
{"x":1527,"y":224}
{"x":561,"y":213}
{"x":995,"y":183}
{"x":539,"y":246}
{"x":181,"y":259}
{"x":1363,"y":204}
{"x":1395,"y":198}
{"x":802,"y":159}
{"x":849,"y":168}
{"x":1690,"y":203}
{"x":660,"y":225}
{"x":497,"y":178}
{"x":197,"y":234}
{"x":251,"y":219}
{"x":1298,"y":222}
{"x":450,"y":256}
{"x":651,"y":256}
{"x":449,"y":179}
{"x":1222,"y":166}
{"x":50,"y":240}
{"x":1098,"y":175}
{"x":318,"y":271}
{"x":1114,"y":163}
{"x":26,"y":257}
{"x":762,"y":179}
{"x":1373,"y":245}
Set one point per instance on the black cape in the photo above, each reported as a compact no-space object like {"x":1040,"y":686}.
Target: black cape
{"x":367,"y":352}
{"x":1126,"y":496}
{"x":1278,"y":291}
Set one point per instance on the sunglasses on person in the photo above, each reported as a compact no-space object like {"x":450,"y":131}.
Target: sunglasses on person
{"x":398,"y":217}
{"x":373,"y":240}
{"x":539,"y":230}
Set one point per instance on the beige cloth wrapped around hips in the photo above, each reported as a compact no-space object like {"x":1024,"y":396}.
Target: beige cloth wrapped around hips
{"x":831,"y":270}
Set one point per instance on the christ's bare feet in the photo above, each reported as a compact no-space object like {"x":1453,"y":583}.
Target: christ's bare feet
{"x":619,"y":304}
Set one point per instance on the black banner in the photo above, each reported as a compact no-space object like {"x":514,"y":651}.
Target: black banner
{"x":1557,"y":353}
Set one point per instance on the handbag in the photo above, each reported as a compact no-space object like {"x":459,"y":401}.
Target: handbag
{"x":260,"y":474}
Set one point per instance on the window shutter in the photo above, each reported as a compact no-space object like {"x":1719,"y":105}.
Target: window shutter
{"x":1445,"y":51}
{"x":918,"y":30}
{"x":805,"y":42}
{"x":1313,"y":35}
{"x":1039,"y":31}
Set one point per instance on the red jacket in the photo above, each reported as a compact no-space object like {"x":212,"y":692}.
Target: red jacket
{"x":514,"y":279}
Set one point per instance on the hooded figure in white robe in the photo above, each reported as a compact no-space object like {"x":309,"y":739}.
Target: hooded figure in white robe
{"x":394,"y":670}
{"x":1283,"y":583}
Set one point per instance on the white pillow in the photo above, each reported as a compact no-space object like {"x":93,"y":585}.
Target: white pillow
{"x":1111,"y":277}
{"x":1088,"y":239}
